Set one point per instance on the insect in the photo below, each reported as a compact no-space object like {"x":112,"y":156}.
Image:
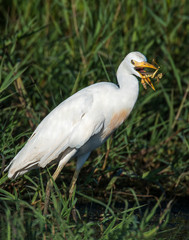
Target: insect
{"x":146,"y":77}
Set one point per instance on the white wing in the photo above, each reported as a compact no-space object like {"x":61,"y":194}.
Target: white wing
{"x":69,"y":125}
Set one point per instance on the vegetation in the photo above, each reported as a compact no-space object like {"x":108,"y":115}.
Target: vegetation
{"x":51,"y":49}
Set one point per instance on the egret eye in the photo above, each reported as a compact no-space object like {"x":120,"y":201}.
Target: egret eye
{"x":132,"y":62}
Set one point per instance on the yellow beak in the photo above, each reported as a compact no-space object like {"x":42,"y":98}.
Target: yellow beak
{"x":145,"y":78}
{"x":143,"y":65}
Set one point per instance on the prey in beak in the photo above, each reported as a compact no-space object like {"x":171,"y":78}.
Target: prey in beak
{"x":141,"y":67}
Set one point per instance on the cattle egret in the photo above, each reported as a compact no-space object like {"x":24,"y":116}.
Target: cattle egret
{"x":83,"y":122}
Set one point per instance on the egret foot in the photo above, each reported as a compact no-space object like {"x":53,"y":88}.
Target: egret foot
{"x":47,"y":196}
{"x":65,"y":158}
{"x":71,"y":191}
{"x":74,"y":214}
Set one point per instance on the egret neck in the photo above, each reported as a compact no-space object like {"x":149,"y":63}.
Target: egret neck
{"x":128,"y":86}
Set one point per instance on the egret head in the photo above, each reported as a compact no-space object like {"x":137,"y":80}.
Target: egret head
{"x":136,"y":63}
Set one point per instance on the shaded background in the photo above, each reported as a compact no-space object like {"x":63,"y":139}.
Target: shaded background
{"x":51,"y":49}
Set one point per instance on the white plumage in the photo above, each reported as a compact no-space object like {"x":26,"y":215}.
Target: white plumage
{"x":82,"y":122}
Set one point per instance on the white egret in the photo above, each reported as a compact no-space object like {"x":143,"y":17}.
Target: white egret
{"x":83,"y":122}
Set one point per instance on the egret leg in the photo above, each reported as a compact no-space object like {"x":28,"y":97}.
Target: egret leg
{"x":61,"y":164}
{"x":72,"y":186}
{"x":80,"y":161}
{"x":74,"y":180}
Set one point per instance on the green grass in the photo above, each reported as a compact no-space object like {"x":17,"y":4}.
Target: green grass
{"x":48,"y":51}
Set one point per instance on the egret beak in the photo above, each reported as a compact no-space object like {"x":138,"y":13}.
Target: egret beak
{"x":143,"y":65}
{"x":145,"y":76}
